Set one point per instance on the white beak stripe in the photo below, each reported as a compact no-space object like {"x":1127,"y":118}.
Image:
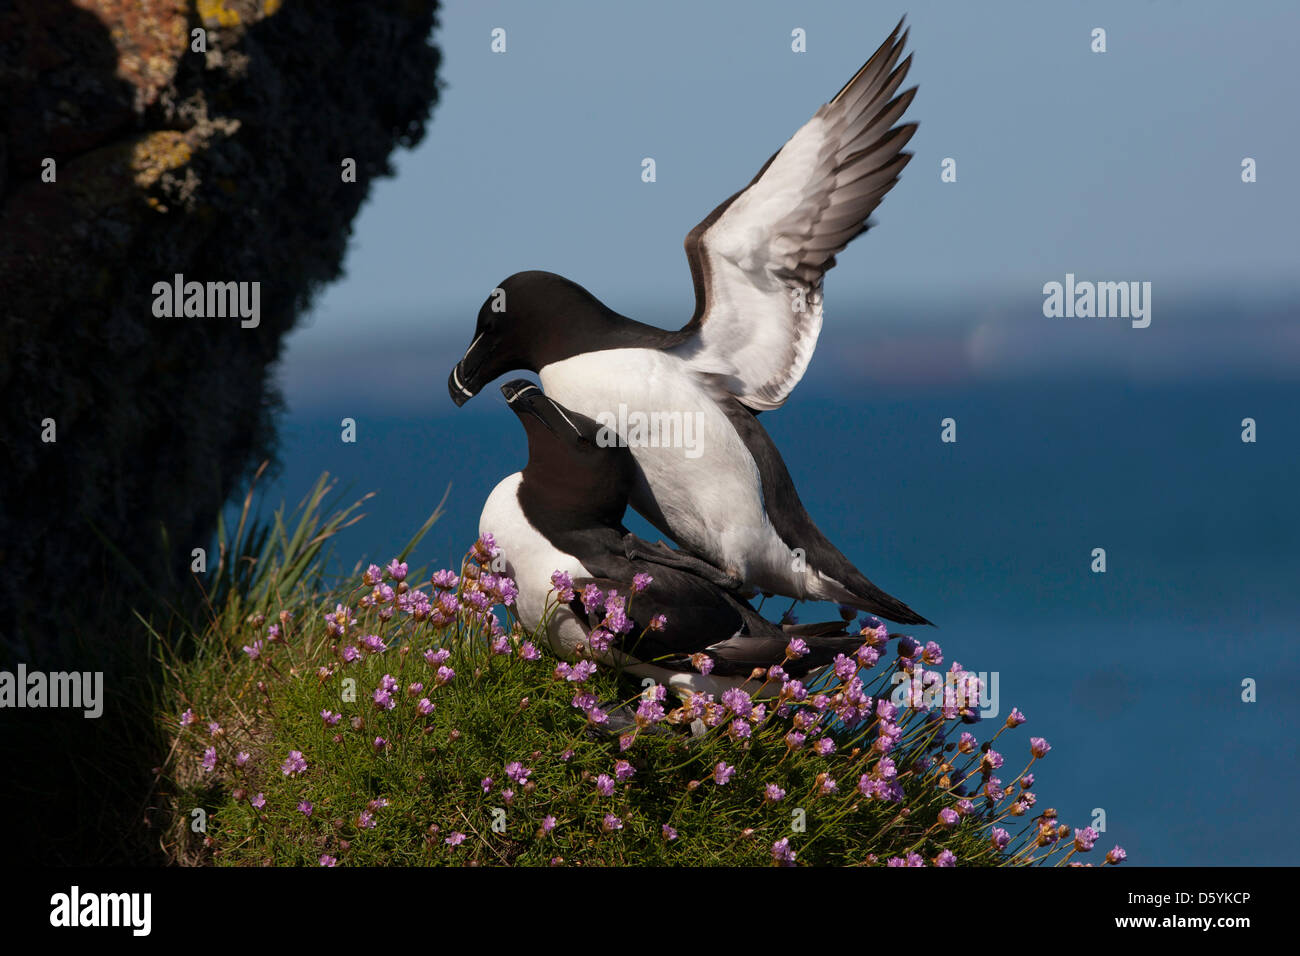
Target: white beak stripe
{"x":455,"y":377}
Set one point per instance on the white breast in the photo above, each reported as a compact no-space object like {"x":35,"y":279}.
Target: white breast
{"x":705,"y":483}
{"x":530,"y":559}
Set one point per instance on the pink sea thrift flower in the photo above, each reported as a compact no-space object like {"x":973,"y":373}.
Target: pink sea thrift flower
{"x":294,"y":764}
{"x":781,"y":852}
{"x":563,"y":585}
{"x":1085,"y":838}
{"x":593,"y":598}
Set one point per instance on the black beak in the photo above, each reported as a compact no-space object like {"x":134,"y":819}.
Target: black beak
{"x":520,"y":395}
{"x":516,"y":389}
{"x":456,"y":386}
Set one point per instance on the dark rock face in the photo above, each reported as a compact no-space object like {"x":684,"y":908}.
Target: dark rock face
{"x":222,"y":165}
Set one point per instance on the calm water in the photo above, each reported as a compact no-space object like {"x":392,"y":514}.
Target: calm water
{"x":1134,"y":676}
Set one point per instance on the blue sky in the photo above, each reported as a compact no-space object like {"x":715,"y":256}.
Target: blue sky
{"x":1122,"y":165}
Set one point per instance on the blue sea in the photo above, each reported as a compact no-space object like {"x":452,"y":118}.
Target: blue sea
{"x":1135,"y":676}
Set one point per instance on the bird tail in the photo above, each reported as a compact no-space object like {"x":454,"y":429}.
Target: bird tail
{"x":858,"y":592}
{"x":764,"y":646}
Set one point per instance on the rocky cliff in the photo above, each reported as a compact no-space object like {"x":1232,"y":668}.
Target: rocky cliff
{"x":139,"y":140}
{"x":230,"y":142}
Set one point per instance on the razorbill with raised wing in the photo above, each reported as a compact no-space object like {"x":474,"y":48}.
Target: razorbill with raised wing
{"x":564,"y":513}
{"x":722,"y":491}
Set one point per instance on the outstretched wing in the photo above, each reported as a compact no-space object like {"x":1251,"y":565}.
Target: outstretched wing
{"x":758,"y":259}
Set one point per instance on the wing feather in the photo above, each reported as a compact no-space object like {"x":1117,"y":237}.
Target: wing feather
{"x":758,"y":260}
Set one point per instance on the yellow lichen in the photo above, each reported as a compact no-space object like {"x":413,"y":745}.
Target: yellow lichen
{"x":215,"y":13}
{"x":270,"y":6}
{"x":156,"y":154}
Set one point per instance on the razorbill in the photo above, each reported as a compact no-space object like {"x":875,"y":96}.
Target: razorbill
{"x":707,"y":473}
{"x":564,"y":513}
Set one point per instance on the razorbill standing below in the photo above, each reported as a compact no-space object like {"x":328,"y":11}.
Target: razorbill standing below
{"x":710,"y":477}
{"x":564,"y":512}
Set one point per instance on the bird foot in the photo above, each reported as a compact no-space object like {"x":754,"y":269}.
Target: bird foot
{"x":659,"y":553}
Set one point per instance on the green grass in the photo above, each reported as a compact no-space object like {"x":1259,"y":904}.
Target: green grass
{"x":501,"y":708}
